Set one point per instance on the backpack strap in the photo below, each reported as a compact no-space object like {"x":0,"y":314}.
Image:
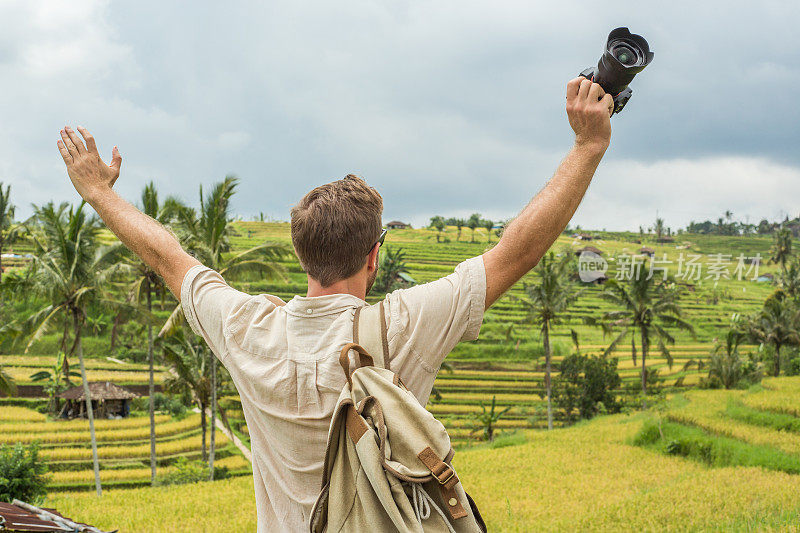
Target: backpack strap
{"x":274,"y":299}
{"x":369,"y":331}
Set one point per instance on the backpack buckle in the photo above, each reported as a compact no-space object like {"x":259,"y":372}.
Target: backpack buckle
{"x":448,"y":478}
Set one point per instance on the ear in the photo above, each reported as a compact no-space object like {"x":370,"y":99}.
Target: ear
{"x":372,"y":258}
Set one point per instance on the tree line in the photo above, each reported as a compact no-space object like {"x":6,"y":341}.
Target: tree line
{"x":74,"y":275}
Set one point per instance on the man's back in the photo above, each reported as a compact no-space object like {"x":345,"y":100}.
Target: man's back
{"x":284,"y":363}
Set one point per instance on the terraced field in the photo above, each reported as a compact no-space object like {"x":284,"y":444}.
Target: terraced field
{"x":123,"y":447}
{"x":505,"y":362}
{"x":508,"y":364}
{"x":21,"y":367}
{"x":588,"y":477}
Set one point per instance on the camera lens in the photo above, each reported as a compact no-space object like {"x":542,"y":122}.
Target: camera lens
{"x":625,"y":55}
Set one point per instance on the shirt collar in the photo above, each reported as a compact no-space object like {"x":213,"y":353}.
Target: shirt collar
{"x":322,"y":305}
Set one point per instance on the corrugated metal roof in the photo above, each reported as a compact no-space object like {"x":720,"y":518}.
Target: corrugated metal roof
{"x":24,"y":518}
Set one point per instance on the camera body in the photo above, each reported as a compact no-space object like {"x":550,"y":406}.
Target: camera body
{"x":625,"y":55}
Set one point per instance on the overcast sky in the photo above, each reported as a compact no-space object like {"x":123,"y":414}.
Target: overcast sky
{"x":447,"y":107}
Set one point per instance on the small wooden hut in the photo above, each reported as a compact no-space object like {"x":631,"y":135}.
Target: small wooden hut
{"x":396,"y":224}
{"x":592,"y":249}
{"x":108,"y":401}
{"x":644,"y":250}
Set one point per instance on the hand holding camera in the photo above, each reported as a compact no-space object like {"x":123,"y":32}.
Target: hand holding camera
{"x":589,"y":109}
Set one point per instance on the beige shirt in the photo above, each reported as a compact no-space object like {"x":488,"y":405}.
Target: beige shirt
{"x":284,"y":363}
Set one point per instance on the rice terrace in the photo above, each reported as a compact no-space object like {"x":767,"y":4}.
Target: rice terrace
{"x":713,"y":444}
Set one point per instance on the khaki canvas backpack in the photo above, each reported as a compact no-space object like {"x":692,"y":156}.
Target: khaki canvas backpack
{"x":388,"y":460}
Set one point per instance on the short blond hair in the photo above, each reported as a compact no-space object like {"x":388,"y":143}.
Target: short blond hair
{"x":334,"y":228}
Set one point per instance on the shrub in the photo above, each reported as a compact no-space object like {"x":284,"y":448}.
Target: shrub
{"x":793,"y":367}
{"x":163,"y":403}
{"x":586,"y":385}
{"x":22,"y":474}
{"x":186,"y":471}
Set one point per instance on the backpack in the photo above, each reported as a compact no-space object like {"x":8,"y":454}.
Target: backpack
{"x":388,"y":460}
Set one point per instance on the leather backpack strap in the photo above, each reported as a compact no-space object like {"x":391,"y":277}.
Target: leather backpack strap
{"x":274,"y":299}
{"x":370,"y":331}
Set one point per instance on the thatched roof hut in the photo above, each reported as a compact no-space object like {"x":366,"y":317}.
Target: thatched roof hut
{"x":108,"y":400}
{"x":644,"y":250}
{"x":592,"y":249}
{"x":396,"y":224}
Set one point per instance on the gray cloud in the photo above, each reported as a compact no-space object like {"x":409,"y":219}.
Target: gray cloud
{"x":447,"y":107}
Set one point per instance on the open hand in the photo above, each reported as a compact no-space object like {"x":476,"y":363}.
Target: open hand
{"x":89,"y":174}
{"x":589,"y":110}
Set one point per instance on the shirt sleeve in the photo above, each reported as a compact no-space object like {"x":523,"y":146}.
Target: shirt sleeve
{"x":207,"y":303}
{"x":430,"y":319}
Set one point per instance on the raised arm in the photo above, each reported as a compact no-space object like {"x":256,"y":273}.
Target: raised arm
{"x":148,"y":239}
{"x":528,"y":237}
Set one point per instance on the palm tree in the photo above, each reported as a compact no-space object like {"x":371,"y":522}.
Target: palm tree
{"x":488,"y":224}
{"x":69,"y":271}
{"x":782,"y":247}
{"x":8,"y":230}
{"x":186,"y":354}
{"x":776,"y":325}
{"x":438,"y":224}
{"x":193,"y":371}
{"x":545,"y":302}
{"x":7,"y":385}
{"x":789,"y":279}
{"x":392,"y":264}
{"x":460,"y":223}
{"x":207,"y":235}
{"x":146,"y":283}
{"x":725,"y":362}
{"x":646,"y":306}
{"x":659,"y":227}
{"x":55,"y":381}
{"x":473,"y":222}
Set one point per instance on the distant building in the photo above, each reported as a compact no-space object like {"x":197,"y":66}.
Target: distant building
{"x":592,"y":249}
{"x":644,"y":250}
{"x":108,"y":401}
{"x":665,"y":239}
{"x":585,"y":236}
{"x":396,"y":224}
{"x":766,"y":277}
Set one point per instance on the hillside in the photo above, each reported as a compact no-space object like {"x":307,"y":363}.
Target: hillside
{"x":504,"y":363}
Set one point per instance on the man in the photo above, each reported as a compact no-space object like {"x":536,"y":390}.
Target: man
{"x":283,"y":359}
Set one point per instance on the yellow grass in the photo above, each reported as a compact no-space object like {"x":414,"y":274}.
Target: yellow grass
{"x":188,"y":444}
{"x":19,"y":414}
{"x":79,"y":424}
{"x":234,"y":462}
{"x":22,"y":375}
{"x":46,"y":362}
{"x":780,"y":395}
{"x":52,"y":432}
{"x":705,"y":410}
{"x":581,"y":478}
{"x":225,"y":506}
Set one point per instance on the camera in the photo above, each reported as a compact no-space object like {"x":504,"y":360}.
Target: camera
{"x":625,"y":55}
